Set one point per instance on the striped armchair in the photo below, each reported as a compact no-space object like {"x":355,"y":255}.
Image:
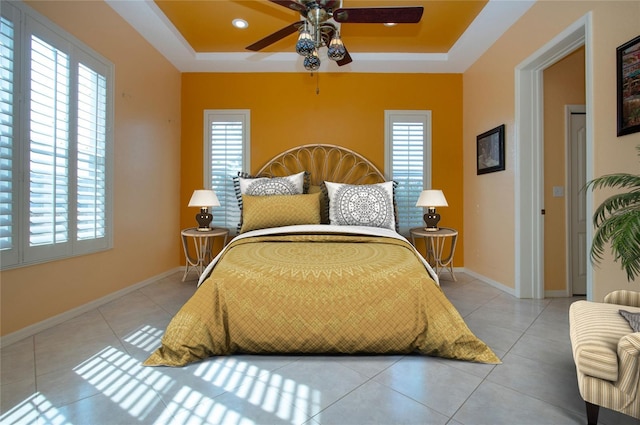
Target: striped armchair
{"x":607,"y":354}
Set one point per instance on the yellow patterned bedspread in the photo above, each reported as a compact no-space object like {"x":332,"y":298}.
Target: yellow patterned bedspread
{"x":318,"y":294}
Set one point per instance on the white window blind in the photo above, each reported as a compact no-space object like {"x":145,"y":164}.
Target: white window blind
{"x":7,"y":65}
{"x":49,"y":145}
{"x":91,"y":154}
{"x":408,"y":161}
{"x":55,"y":145}
{"x":226,"y":153}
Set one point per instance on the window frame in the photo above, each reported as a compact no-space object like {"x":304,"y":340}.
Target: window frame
{"x":424,"y":117}
{"x":225,"y":115}
{"x":27,"y":23}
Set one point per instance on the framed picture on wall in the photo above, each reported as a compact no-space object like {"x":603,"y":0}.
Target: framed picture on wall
{"x":490,"y":150}
{"x":628,"y":76}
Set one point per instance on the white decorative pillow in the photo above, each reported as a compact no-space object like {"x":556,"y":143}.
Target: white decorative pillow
{"x":265,"y":186}
{"x":361,"y":205}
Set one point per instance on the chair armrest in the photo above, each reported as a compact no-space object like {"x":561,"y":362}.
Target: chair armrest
{"x":629,"y":356}
{"x":623,"y":297}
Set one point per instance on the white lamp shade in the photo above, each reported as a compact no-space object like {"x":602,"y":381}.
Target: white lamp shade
{"x":432,"y":198}
{"x":204,"y":198}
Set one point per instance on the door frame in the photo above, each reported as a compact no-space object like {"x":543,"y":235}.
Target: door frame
{"x":529,"y":176}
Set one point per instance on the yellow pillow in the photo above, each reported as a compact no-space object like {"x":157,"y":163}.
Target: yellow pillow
{"x":324,"y":204}
{"x":261,"y":212}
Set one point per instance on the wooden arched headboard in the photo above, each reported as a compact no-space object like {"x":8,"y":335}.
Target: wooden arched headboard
{"x":324,"y":162}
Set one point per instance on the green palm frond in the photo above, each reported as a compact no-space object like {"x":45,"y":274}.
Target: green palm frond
{"x":620,"y":180}
{"x":616,"y":204}
{"x":623,"y":232}
{"x":617,"y":221}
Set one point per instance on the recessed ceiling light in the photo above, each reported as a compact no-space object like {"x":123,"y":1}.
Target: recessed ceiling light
{"x":240,"y":23}
{"x":390,"y":24}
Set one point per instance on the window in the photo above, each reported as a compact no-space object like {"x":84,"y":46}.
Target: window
{"x":408,"y":161}
{"x":226,"y":151}
{"x":7,"y":66}
{"x":55,"y":142}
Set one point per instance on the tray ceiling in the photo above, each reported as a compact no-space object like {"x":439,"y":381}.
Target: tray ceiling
{"x":198,"y":36}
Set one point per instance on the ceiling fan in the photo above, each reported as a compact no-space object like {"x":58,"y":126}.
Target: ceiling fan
{"x":317,"y":30}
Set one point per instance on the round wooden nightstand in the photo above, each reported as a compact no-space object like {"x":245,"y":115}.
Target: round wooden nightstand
{"x":435,"y":242}
{"x":203,"y":241}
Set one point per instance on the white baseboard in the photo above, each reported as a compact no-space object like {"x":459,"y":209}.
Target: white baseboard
{"x":70,"y":314}
{"x":488,"y":281}
{"x":556,"y":294}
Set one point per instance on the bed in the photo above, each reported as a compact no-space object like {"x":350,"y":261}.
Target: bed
{"x":322,"y":271}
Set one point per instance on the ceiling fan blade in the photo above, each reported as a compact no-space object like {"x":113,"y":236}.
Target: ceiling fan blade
{"x":290,"y":4}
{"x":276,"y":36}
{"x":345,"y":60}
{"x":328,"y":4}
{"x":379,"y":15}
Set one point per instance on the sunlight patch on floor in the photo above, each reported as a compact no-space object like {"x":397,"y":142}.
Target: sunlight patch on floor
{"x":190,"y":407}
{"x":125,"y":381}
{"x":271,"y":392}
{"x":146,"y":338}
{"x":33,"y":410}
{"x":242,"y":389}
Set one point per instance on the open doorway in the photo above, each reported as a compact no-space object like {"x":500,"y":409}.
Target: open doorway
{"x":529,"y":196}
{"x":564,"y":161}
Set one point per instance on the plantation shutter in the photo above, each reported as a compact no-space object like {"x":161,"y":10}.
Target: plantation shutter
{"x":49,"y":145}
{"x":91,"y":154}
{"x":408,"y":165}
{"x":227,"y":144}
{"x":7,"y":65}
{"x":408,"y":162}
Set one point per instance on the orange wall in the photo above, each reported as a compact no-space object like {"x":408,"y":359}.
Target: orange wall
{"x":348,"y":111}
{"x":145,"y":184}
{"x":564,"y":84}
{"x":489,"y":100}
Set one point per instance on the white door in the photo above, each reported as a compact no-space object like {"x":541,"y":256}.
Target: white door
{"x":578,"y":256}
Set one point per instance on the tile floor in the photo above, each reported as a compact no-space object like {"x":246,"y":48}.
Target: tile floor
{"x":87,"y":371}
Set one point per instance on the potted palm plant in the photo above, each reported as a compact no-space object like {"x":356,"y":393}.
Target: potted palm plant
{"x":617,"y":221}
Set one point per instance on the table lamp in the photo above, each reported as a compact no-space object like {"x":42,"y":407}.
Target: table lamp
{"x":431,"y":199}
{"x":204,"y":199}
